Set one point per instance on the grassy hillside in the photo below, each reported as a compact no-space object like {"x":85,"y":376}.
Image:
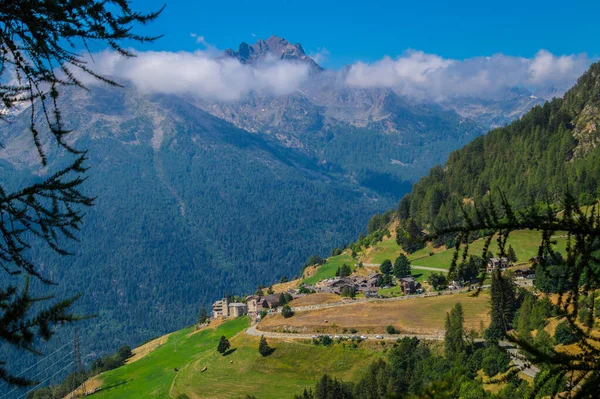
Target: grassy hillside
{"x":420,"y":315}
{"x":329,"y":268}
{"x":525,"y":244}
{"x":176,"y":367}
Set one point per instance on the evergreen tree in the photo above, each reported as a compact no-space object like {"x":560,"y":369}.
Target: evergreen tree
{"x":282,"y":299}
{"x":511,"y":255}
{"x":38,"y":61}
{"x":411,"y":237}
{"x":438,"y":281}
{"x":202,"y":316}
{"x":454,"y":343}
{"x":263,"y":347}
{"x":287,"y":312}
{"x":503,"y":306}
{"x":402,"y":266}
{"x":386,"y":267}
{"x":223,"y":346}
{"x":524,"y":326}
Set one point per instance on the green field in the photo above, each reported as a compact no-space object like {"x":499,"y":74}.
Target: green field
{"x":525,"y":243}
{"x":175,"y":367}
{"x":328,"y":269}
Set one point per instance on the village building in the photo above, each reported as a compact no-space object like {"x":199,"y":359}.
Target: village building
{"x":223,"y":308}
{"x":497,"y":263}
{"x":269,"y":301}
{"x":237,"y":309}
{"x":220,"y":308}
{"x":525,"y":274}
{"x":253,"y":301}
{"x":408,"y":285}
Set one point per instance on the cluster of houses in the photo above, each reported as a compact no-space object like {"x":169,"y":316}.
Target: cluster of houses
{"x":368,"y":285}
{"x":253,"y":306}
{"x":504,"y":263}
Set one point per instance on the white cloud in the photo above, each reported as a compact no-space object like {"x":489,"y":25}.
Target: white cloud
{"x":320,"y":55}
{"x":209,"y":75}
{"x":201,"y":40}
{"x":430,"y":76}
{"x":201,"y":73}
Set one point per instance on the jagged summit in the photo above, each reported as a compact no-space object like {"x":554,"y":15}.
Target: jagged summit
{"x":276,"y":46}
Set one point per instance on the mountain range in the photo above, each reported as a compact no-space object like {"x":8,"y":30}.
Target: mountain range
{"x":200,"y":198}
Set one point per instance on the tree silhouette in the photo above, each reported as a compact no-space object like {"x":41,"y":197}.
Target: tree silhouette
{"x":497,"y":218}
{"x":36,"y":63}
{"x":223,"y":346}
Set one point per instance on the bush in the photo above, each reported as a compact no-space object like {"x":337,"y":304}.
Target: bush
{"x":391,"y":330}
{"x":263,"y":313}
{"x":349,"y":292}
{"x":353,"y":331}
{"x":438,"y":281}
{"x":495,"y":360}
{"x":325,"y":340}
{"x":287,"y":312}
{"x":564,"y":334}
{"x":585,"y":317}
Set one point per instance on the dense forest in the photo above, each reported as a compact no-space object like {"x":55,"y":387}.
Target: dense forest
{"x":535,"y":159}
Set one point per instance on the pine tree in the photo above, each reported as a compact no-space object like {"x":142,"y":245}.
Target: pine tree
{"x":282,"y":300}
{"x":263,"y":347}
{"x":503,"y":306}
{"x":454,"y":343}
{"x":38,"y":61}
{"x":511,"y":254}
{"x":223,"y":346}
{"x":386,"y":267}
{"x":524,"y":320}
{"x":402,"y":266}
{"x":202,"y":316}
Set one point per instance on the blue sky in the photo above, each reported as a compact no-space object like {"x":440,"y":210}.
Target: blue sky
{"x":368,"y":30}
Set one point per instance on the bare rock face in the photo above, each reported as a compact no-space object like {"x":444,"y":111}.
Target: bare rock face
{"x":275,"y":46}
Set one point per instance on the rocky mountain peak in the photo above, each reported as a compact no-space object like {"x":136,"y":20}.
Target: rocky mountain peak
{"x":276,"y":46}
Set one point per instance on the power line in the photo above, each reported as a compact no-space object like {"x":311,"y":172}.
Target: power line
{"x":40,"y":361}
{"x":46,"y":380}
{"x":35,"y":375}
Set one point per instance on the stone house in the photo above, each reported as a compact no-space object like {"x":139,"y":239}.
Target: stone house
{"x":237,"y":309}
{"x":408,"y":285}
{"x":497,"y":263}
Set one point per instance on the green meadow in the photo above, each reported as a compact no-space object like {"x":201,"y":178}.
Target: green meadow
{"x":176,"y":367}
{"x":328,"y":269}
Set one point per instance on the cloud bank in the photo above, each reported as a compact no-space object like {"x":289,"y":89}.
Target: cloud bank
{"x":209,"y":75}
{"x":202,"y":73}
{"x":430,"y":76}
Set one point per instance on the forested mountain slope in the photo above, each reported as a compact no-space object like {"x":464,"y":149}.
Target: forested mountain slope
{"x":551,"y":148}
{"x":189,"y":208}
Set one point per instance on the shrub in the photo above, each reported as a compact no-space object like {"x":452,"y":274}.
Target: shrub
{"x":391,"y":330}
{"x":325,"y":340}
{"x":263,"y":313}
{"x":287,"y":312}
{"x":564,"y":334}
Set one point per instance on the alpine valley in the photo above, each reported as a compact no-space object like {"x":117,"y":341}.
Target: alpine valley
{"x":200,"y":198}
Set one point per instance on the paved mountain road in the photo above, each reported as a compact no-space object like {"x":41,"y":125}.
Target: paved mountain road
{"x":416,"y":267}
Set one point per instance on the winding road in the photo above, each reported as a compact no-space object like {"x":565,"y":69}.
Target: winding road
{"x":416,"y":267}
